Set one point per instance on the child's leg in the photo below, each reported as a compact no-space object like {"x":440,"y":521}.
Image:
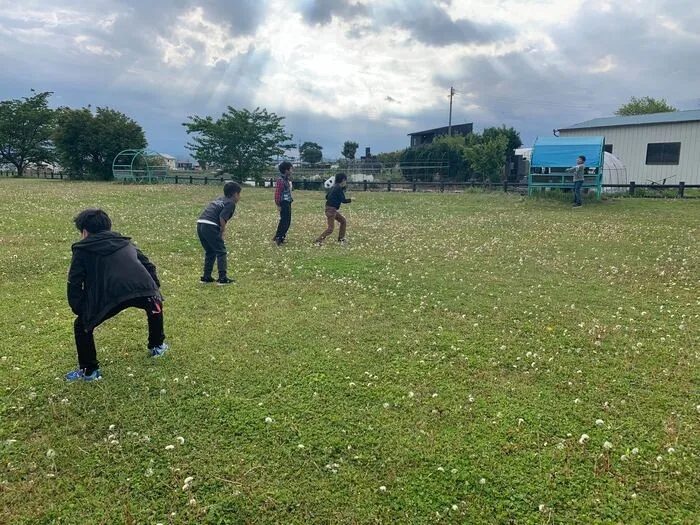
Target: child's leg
{"x":85,"y":344}
{"x":153,"y":306}
{"x":285,"y":219}
{"x":209,"y":254}
{"x":343,"y":225}
{"x":330,"y":218}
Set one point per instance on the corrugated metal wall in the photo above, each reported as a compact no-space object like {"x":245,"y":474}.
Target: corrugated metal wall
{"x":630,"y":146}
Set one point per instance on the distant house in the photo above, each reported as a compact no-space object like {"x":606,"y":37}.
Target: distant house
{"x":426,"y":137}
{"x":185,"y":165}
{"x":654,"y":147}
{"x":170,"y":161}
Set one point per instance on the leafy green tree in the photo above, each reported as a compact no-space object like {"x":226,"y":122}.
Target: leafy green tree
{"x":510,"y":134}
{"x":87,"y":142}
{"x":241,"y":142}
{"x":25,"y":131}
{"x":349,"y":149}
{"x":644,"y":106}
{"x":487,"y":157}
{"x":311,"y":152}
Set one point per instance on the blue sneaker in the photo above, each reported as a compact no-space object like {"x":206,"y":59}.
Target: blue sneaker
{"x":77,"y":375}
{"x":93,"y":376}
{"x":158,"y":351}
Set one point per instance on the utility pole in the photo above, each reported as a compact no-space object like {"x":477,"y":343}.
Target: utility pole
{"x":449,"y":125}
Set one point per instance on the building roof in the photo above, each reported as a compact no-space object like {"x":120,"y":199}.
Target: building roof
{"x":443,"y":128}
{"x":639,"y":120}
{"x":166,"y":156}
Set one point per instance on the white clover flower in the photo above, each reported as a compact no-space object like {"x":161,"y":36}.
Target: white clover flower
{"x":268,"y":419}
{"x":659,"y":458}
{"x":192,"y":502}
{"x":51,"y":453}
{"x":471,"y":399}
{"x":482,"y":481}
{"x":411,"y":394}
{"x":560,"y":446}
{"x":441,"y":469}
{"x":385,"y":405}
{"x":520,"y":421}
{"x":583,"y":439}
{"x":623,"y":457}
{"x":149,"y":472}
{"x":180,"y":440}
{"x":163,"y":390}
{"x":577,"y":401}
{"x":542,"y":507}
{"x":635,"y":451}
{"x":170,"y":447}
{"x":10,"y":441}
{"x":114,"y":442}
{"x":382,"y":489}
{"x":671,"y":450}
{"x":188,"y":480}
{"x":634,"y":495}
{"x":64,"y":401}
{"x":599,"y":422}
{"x":454,"y":471}
{"x":434,"y":395}
{"x":607,"y":445}
{"x":300,"y":446}
{"x":697,"y":408}
{"x":455,"y":507}
{"x":112,"y":427}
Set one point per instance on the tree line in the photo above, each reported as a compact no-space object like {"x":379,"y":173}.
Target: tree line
{"x":240,"y":142}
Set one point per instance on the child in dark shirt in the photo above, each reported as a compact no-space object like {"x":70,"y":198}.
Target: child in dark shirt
{"x":211,"y":226}
{"x":334,"y":198}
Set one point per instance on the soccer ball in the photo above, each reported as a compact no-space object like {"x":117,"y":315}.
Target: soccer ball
{"x":329,"y":183}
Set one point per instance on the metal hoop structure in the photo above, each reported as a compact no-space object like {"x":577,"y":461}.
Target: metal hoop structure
{"x":140,"y":166}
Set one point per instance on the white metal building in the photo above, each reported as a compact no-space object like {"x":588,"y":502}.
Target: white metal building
{"x":652,"y":147}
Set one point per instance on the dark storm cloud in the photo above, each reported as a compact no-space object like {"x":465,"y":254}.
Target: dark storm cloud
{"x":322,"y":11}
{"x":431,"y":24}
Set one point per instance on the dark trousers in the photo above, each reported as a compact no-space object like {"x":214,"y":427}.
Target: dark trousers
{"x":577,"y":192}
{"x":285,"y":220}
{"x":333,"y":215}
{"x":85,"y":340}
{"x":214,"y":249}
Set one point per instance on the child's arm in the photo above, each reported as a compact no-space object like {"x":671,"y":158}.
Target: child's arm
{"x":345,"y":199}
{"x":278,"y":192}
{"x":149,"y":266}
{"x":76,"y":282}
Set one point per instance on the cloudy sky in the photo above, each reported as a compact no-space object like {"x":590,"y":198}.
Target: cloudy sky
{"x":367,"y":70}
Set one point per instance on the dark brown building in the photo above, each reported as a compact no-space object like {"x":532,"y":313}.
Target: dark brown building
{"x":426,"y":137}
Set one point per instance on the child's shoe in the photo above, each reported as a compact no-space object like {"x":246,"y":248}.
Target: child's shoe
{"x":318,"y":243}
{"x":92,"y":376}
{"x":77,"y":375}
{"x":158,"y":351}
{"x":225,"y":281}
{"x":206,"y":280}
{"x":341,"y":242}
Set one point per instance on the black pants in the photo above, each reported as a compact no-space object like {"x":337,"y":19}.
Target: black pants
{"x":285,"y":220}
{"x":214,"y":249}
{"x":85,"y":340}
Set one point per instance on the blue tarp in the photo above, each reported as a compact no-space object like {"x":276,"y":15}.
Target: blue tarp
{"x":554,"y":152}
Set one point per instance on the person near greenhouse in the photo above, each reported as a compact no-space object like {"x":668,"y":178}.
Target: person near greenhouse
{"x":579,"y":171}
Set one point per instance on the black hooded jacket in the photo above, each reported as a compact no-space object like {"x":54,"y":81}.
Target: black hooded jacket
{"x":106,"y":270}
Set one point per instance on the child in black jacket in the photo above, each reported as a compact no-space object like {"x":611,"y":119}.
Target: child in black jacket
{"x":334,"y":198}
{"x":109,"y":274}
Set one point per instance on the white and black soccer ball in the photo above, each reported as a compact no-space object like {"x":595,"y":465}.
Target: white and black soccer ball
{"x":329,"y":183}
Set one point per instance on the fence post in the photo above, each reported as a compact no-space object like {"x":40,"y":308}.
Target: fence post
{"x":388,"y":185}
{"x":206,"y":180}
{"x":632,"y":184}
{"x":190,"y":179}
{"x":222,"y":179}
{"x":442,"y":186}
{"x":61,"y":174}
{"x":364,"y":184}
{"x":414,"y":185}
{"x":505,"y":185}
{"x":176,"y":178}
{"x":681,"y":189}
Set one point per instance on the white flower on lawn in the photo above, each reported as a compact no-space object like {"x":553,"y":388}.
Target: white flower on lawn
{"x":382,"y":489}
{"x":411,"y":394}
{"x":635,"y":451}
{"x":268,"y":419}
{"x":434,"y":395}
{"x":482,"y":481}
{"x":112,"y":427}
{"x":623,"y":457}
{"x":149,"y":472}
{"x":455,"y":507}
{"x":583,"y":439}
{"x":51,"y":453}
{"x":599,"y":422}
{"x":634,"y":495}
{"x":170,"y":447}
{"x":520,"y":421}
{"x":542,"y":507}
{"x":300,"y":446}
{"x":385,"y":405}
{"x":607,"y":445}
{"x":659,"y":458}
{"x":180,"y":440}
{"x":671,"y":450}
{"x":192,"y":502}
{"x":441,"y":469}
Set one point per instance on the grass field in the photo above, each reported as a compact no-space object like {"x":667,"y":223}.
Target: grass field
{"x":472,"y":358}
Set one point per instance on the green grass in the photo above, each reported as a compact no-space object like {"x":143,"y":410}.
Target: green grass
{"x":454,"y":353}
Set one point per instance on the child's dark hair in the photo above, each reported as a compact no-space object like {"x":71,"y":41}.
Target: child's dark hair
{"x":284,"y":166}
{"x":93,"y":220}
{"x":582,"y":157}
{"x":231,"y":188}
{"x":340,"y":177}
